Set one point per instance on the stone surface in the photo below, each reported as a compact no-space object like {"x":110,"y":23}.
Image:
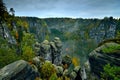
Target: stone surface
{"x":37,"y":48}
{"x":76,"y":74}
{"x":59,"y":70}
{"x":51,"y":51}
{"x":66,"y":60}
{"x":45,"y":50}
{"x":38,"y":61}
{"x":98,"y":59}
{"x":56,"y":51}
{"x":19,"y":70}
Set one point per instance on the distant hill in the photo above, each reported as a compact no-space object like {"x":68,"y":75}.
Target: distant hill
{"x":79,"y":35}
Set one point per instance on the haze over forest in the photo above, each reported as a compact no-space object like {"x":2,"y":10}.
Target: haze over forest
{"x":59,"y":40}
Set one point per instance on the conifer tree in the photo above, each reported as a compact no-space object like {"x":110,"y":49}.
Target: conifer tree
{"x":3,"y":11}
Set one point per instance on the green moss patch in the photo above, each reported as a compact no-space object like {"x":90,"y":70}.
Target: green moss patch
{"x":111,"y":49}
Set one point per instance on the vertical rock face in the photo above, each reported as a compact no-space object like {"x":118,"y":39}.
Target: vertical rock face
{"x":7,"y":34}
{"x":101,"y":32}
{"x":37,"y":48}
{"x":57,"y":59}
{"x":19,"y":70}
{"x":51,"y":51}
{"x":98,"y":59}
{"x":45,"y":50}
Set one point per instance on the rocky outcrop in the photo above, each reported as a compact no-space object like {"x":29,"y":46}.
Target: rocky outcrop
{"x":5,"y":33}
{"x":19,"y":70}
{"x":22,"y":70}
{"x":51,"y":51}
{"x":101,"y":32}
{"x":99,"y":58}
{"x":45,"y":50}
{"x":56,"y":51}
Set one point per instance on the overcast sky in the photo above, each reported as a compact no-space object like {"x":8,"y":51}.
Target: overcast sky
{"x":65,"y":8}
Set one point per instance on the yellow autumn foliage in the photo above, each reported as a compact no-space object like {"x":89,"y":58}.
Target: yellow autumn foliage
{"x":16,"y":35}
{"x":47,"y":70}
{"x":66,"y":78}
{"x":37,"y":78}
{"x":75,"y":61}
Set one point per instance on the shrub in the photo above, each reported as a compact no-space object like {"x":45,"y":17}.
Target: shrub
{"x":28,"y":53}
{"x":53,"y":77}
{"x":47,"y":70}
{"x":7,"y":54}
{"x":27,"y":47}
{"x":110,"y":73}
{"x":111,"y":49}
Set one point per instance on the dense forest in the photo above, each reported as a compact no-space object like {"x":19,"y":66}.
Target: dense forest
{"x":82,"y":40}
{"x":80,"y":36}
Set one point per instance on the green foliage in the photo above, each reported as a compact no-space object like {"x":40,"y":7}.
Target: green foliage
{"x":27,"y":46}
{"x":28,"y":39}
{"x":8,"y":51}
{"x":47,"y":70}
{"x":53,"y":77}
{"x":118,"y":25}
{"x":3,"y":11}
{"x":111,"y":49}
{"x":67,"y":35}
{"x":47,"y":37}
{"x":44,"y":30}
{"x":19,"y":34}
{"x":25,"y":41}
{"x":7,"y":54}
{"x":110,"y":73}
{"x":118,"y":35}
{"x":20,"y":24}
{"x":71,"y":36}
{"x":28,"y":53}
{"x":55,"y":32}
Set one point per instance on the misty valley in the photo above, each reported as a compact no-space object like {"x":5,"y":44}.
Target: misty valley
{"x":33,"y":48}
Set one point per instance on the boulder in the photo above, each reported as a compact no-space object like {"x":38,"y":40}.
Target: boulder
{"x":66,"y":61}
{"x":19,"y":70}
{"x":99,"y":58}
{"x":76,"y":74}
{"x":73,"y":75}
{"x":66,"y":72}
{"x":38,"y":61}
{"x":59,"y":70}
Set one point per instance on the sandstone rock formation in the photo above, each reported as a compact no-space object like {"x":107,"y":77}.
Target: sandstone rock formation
{"x":51,"y":51}
{"x":19,"y":70}
{"x":98,"y":58}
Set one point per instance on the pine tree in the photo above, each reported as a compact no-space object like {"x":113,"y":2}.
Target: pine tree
{"x":3,"y":10}
{"x":12,"y":11}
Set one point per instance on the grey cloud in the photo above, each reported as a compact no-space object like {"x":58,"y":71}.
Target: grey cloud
{"x":76,"y":8}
